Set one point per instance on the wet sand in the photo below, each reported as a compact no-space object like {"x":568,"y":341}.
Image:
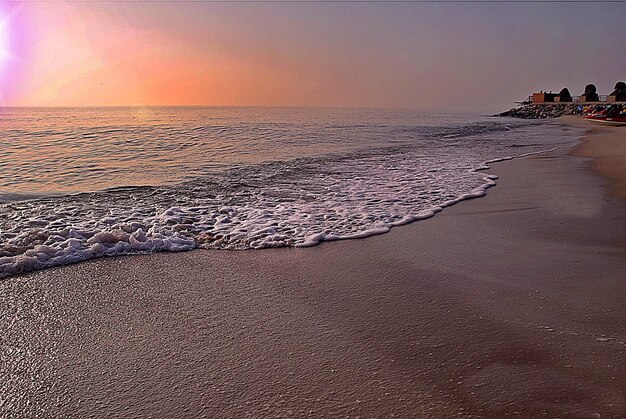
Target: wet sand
{"x":607,"y":148}
{"x":512,"y":305}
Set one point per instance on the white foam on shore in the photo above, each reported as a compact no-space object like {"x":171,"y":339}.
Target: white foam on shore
{"x":298,"y":203}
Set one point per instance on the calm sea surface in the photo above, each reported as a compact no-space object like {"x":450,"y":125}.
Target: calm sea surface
{"x":79,"y":183}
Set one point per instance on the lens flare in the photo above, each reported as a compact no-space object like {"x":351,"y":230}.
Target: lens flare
{"x":6,"y":50}
{"x":4,"y":41}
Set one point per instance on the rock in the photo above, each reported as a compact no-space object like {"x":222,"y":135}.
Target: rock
{"x":543,"y":111}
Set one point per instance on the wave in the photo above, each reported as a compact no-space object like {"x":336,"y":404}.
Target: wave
{"x":299,"y":202}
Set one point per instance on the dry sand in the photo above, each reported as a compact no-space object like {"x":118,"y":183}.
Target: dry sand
{"x":509,"y":305}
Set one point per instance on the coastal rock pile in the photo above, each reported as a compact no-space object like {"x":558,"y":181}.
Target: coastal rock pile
{"x":542,"y":111}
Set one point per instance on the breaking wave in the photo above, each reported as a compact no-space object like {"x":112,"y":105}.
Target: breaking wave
{"x":297,"y":202}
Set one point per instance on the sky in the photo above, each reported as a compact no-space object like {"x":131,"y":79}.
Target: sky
{"x":469,"y":57}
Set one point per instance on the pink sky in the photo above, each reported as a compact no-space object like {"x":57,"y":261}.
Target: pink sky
{"x":473,"y":57}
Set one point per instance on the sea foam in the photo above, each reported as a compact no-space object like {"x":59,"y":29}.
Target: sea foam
{"x":295,"y":202}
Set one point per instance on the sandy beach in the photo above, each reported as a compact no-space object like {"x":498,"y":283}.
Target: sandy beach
{"x":608,"y":153}
{"x":509,"y":305}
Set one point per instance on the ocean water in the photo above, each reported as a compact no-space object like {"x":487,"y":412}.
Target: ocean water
{"x":80,"y":183}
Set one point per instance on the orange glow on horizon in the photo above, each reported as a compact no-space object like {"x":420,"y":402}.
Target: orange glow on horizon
{"x":420,"y":56}
{"x":82,"y":58}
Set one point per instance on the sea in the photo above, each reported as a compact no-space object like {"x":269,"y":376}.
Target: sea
{"x":83,"y":183}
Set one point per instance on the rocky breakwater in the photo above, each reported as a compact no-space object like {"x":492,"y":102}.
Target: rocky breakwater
{"x":543,"y":111}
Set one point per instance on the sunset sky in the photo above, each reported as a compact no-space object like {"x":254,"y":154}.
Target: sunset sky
{"x":457,"y":56}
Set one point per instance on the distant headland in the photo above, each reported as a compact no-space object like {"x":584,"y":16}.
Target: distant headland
{"x":553,"y":105}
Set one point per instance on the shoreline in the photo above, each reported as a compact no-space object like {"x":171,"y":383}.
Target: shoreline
{"x":484,"y":310}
